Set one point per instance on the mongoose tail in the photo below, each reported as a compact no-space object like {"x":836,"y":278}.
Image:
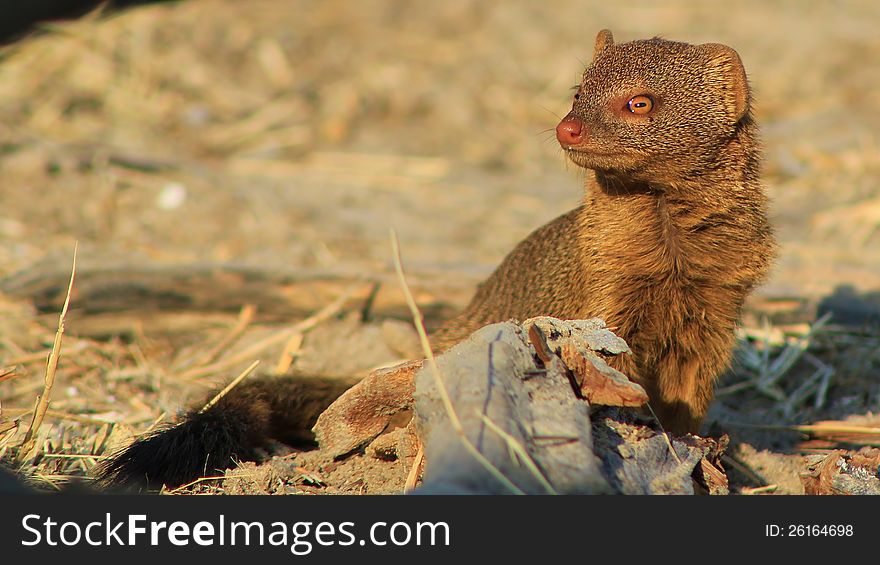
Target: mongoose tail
{"x":243,"y":422}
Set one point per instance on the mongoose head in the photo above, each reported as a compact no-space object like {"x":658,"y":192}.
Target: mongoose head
{"x":656,"y":111}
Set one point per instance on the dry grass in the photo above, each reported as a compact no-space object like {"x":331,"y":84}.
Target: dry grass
{"x":766,"y":367}
{"x":27,"y":449}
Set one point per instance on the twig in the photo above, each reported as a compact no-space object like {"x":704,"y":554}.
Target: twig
{"x":249,"y":353}
{"x":832,"y":431}
{"x":75,"y":456}
{"x":520,"y":452}
{"x":820,"y":430}
{"x":817,"y":384}
{"x":245,"y":317}
{"x":744,"y":469}
{"x":438,"y":379}
{"x":413,"y":476}
{"x":291,"y":348}
{"x":8,"y":373}
{"x":734,"y":388}
{"x":6,"y":425}
{"x":229,"y":387}
{"x":759,"y":490}
{"x":769,"y":372}
{"x":28,"y":444}
{"x":21,"y":412}
{"x":665,"y":434}
{"x":155,"y":423}
{"x":76,"y":347}
{"x":191,"y":483}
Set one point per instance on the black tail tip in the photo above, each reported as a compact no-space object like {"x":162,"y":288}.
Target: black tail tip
{"x":202,"y":444}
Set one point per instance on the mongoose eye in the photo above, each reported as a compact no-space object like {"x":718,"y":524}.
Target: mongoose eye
{"x":640,"y":104}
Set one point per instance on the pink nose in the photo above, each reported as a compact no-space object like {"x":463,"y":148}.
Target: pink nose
{"x":570,"y":131}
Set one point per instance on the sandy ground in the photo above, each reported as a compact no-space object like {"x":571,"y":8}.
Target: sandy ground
{"x":296,"y":133}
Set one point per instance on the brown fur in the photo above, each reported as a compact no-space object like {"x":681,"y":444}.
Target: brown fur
{"x":671,"y":237}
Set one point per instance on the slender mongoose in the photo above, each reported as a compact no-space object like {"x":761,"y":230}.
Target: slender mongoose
{"x":671,"y":237}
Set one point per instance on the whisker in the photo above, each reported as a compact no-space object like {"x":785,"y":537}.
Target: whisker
{"x":549,"y":111}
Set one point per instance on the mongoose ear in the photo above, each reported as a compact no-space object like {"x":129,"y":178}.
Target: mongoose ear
{"x":603,"y":40}
{"x":726,"y":71}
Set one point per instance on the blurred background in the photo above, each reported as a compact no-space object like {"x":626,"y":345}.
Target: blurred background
{"x":292,"y":134}
{"x":298,"y":131}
